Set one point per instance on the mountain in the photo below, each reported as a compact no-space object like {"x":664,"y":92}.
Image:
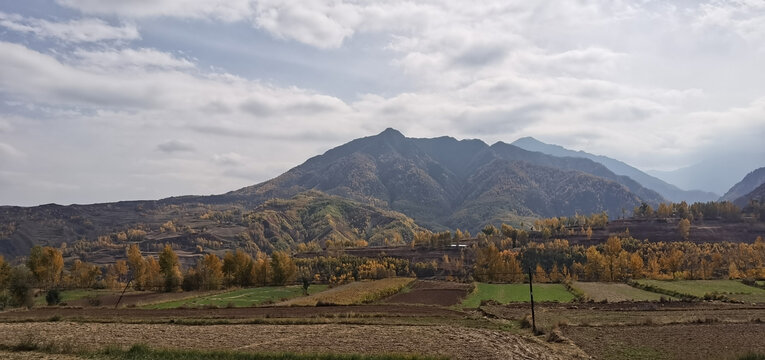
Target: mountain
{"x":758,"y":194}
{"x":713,"y":174}
{"x":448,"y":183}
{"x":100,"y":232}
{"x":750,"y":182}
{"x":668,"y":191}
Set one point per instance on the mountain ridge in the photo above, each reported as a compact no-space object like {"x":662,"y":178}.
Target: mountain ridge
{"x":667,"y":190}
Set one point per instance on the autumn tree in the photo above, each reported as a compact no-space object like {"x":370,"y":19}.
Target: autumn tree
{"x":260,"y":271}
{"x":684,"y":229}
{"x":137,"y":266}
{"x":5,"y":273}
{"x":154,"y":278}
{"x":283,"y":267}
{"x":237,"y":268}
{"x":210,"y":270}
{"x":593,"y":269}
{"x":46,"y":264}
{"x":83,"y":275}
{"x":170,"y":269}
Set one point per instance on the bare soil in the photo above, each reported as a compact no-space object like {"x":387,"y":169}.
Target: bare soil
{"x":455,"y":342}
{"x":679,"y":341}
{"x":226,"y":313}
{"x":137,"y":298}
{"x":444,"y":293}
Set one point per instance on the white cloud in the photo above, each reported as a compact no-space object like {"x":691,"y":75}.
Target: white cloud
{"x":174,"y":146}
{"x":224,"y":10}
{"x":137,"y":59}
{"x":73,"y":31}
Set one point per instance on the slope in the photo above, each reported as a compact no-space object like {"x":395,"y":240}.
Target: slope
{"x":668,"y":191}
{"x":750,"y":182}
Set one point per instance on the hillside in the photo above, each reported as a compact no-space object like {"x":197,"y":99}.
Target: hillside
{"x":757,"y":194}
{"x":447,"y":183}
{"x":750,"y":182}
{"x":667,"y":190}
{"x":100,"y":232}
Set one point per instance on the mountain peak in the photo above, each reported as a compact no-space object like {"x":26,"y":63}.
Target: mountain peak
{"x":391,"y":133}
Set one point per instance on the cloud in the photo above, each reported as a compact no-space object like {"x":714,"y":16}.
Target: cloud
{"x":174,"y":146}
{"x":139,"y":59}
{"x":73,"y":31}
{"x":223,"y":10}
{"x":8,"y":151}
{"x":228,"y":159}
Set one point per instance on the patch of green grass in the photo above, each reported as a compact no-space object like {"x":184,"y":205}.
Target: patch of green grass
{"x":142,"y":352}
{"x":732,"y":289}
{"x":506,"y":293}
{"x":77,"y":294}
{"x":242,"y":297}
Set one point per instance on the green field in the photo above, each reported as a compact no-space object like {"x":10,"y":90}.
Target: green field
{"x":614,"y":292}
{"x":242,"y":297}
{"x":507,"y":293}
{"x":733,"y":289}
{"x":70,"y":295}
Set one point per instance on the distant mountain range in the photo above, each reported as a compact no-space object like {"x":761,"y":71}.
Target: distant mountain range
{"x":667,"y":190}
{"x":714,"y":174}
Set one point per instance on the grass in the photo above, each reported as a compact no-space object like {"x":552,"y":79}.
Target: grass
{"x":614,"y":292}
{"x":507,"y":293}
{"x":77,"y":294}
{"x":732,"y":289}
{"x":359,"y":292}
{"x":242,"y":297}
{"x":142,"y":352}
{"x":633,"y":353}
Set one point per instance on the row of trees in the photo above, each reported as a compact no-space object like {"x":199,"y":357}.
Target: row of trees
{"x":619,"y":259}
{"x":713,"y":210}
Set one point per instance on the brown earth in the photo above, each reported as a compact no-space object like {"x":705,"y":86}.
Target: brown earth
{"x":454,"y":342}
{"x":427,"y":292}
{"x":138,"y":298}
{"x":228,"y":313}
{"x":678,"y":341}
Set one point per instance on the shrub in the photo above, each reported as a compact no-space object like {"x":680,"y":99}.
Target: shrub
{"x":20,"y":286}
{"x":53,"y":297}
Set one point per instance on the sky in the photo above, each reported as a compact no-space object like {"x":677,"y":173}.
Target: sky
{"x":106,"y":100}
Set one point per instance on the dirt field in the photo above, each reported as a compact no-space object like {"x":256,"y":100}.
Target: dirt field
{"x":432,"y":293}
{"x":227,"y":313}
{"x":680,"y":341}
{"x":357,"y":292}
{"x":139,"y":298}
{"x":452,"y":341}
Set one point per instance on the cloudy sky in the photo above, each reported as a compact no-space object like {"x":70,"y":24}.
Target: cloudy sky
{"x":104,"y":100}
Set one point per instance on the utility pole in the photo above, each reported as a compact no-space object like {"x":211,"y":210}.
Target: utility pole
{"x":531,"y":294}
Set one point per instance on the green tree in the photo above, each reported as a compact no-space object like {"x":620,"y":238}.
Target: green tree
{"x":21,"y":282}
{"x":5,"y":273}
{"x":46,"y":264}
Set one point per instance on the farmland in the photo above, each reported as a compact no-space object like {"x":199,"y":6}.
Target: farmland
{"x":242,"y":297}
{"x":359,"y":292}
{"x":615,"y":292}
{"x":507,"y":293}
{"x":392,"y":310}
{"x":732,"y":289}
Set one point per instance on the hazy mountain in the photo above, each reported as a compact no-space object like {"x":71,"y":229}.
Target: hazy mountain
{"x":447,"y":183}
{"x":750,"y":182}
{"x":668,"y":191}
{"x":715,"y":174}
{"x":757,"y":194}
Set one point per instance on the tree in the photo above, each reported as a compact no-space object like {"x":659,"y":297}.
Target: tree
{"x":593,"y":269}
{"x":612,"y":250}
{"x":154,"y":278}
{"x":20,"y":283}
{"x":283,"y":267}
{"x":170,"y":269}
{"x":210,"y":270}
{"x":46,"y":264}
{"x":5,"y":273}
{"x":684,"y":229}
{"x":636,"y":266}
{"x":237,"y":268}
{"x":84,"y":275}
{"x":137,"y":266}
